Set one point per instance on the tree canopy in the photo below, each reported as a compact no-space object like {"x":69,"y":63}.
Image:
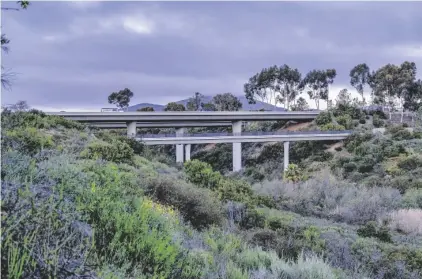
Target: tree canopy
{"x":317,"y":83}
{"x":300,"y":105}
{"x":359,"y":77}
{"x":195,"y":102}
{"x":172,"y":106}
{"x":226,"y":102}
{"x":146,"y":109}
{"x":121,"y":99}
{"x":274,"y":85}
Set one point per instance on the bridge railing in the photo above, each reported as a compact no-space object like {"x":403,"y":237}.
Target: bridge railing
{"x":257,"y":133}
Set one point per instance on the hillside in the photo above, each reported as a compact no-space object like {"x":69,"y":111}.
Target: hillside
{"x":206,"y":99}
{"x":85,"y":203}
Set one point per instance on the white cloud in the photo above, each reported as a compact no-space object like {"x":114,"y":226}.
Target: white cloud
{"x":138,"y":25}
{"x":414,"y":51}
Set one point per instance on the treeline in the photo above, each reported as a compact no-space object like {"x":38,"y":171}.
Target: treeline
{"x":391,"y":86}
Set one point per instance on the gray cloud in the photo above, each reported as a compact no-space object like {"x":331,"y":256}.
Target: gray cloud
{"x":71,"y":55}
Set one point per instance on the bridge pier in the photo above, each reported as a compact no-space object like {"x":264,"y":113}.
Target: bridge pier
{"x":131,"y":129}
{"x":237,"y":147}
{"x":286,"y":155}
{"x":187,"y":152}
{"x":179,"y":147}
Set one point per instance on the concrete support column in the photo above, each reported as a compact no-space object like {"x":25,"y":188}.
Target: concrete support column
{"x":286,"y":155}
{"x":187,"y":152}
{"x":179,"y":147}
{"x":131,"y":129}
{"x":237,"y":147}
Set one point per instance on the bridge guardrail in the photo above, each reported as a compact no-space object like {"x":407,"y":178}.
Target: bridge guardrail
{"x":173,"y":135}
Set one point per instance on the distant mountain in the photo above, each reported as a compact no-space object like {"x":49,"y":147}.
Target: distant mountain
{"x":206,"y":99}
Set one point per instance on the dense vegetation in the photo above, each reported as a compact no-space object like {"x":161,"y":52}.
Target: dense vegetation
{"x":81,"y":202}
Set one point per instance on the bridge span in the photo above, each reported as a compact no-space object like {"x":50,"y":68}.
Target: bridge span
{"x":184,"y":141}
{"x":183,"y":119}
{"x":180,"y":119}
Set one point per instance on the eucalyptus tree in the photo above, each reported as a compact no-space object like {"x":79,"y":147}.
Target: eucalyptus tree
{"x":300,"y":105}
{"x":121,"y":99}
{"x":392,"y":85}
{"x":274,"y":85}
{"x":173,"y":106}
{"x":226,"y":102}
{"x":317,"y":84}
{"x":195,"y":102}
{"x":359,"y":78}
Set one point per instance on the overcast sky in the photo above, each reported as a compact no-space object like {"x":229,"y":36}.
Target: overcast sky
{"x":72,"y":55}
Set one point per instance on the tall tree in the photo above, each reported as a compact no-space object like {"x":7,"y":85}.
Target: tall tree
{"x":392,"y":85}
{"x":359,"y":77}
{"x":344,"y":98}
{"x":195,"y":102}
{"x":227,"y":102}
{"x":413,"y":100}
{"x":317,"y":83}
{"x":263,"y":86}
{"x":407,"y":81}
{"x":173,"y":106}
{"x":5,"y":74}
{"x":300,"y":105}
{"x":291,"y":84}
{"x":274,"y":85}
{"x":121,"y":99}
{"x":208,"y":106}
{"x":146,"y":109}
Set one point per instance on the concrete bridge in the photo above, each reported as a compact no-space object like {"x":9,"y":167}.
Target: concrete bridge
{"x":182,"y":120}
{"x":177,"y":119}
{"x":183,"y":141}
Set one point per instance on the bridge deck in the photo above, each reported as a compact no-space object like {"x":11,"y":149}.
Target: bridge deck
{"x":160,"y":139}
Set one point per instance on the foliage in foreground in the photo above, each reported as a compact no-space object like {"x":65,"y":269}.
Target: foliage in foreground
{"x":68,"y":213}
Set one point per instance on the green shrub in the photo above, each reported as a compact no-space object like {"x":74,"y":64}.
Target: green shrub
{"x":345,"y":121}
{"x":137,"y":146}
{"x":356,"y":139}
{"x":42,"y":235}
{"x":377,"y":121}
{"x":366,"y":164}
{"x":235,"y":190}
{"x":252,"y":219}
{"x":412,"y":198}
{"x":410,"y":163}
{"x":323,"y":118}
{"x":198,"y":206}
{"x":332,"y":127}
{"x":371,"y":229}
{"x":28,"y":140}
{"x":349,"y":167}
{"x":293,"y":173}
{"x":116,"y":151}
{"x":36,"y":119}
{"x":404,"y":182}
{"x":402,"y":135}
{"x":394,"y":150}
{"x":201,"y":174}
{"x":130,"y":231}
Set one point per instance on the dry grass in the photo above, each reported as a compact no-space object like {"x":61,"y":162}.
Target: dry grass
{"x":406,"y":220}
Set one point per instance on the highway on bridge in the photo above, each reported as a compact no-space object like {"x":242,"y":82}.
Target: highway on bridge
{"x":161,"y":139}
{"x":183,"y":141}
{"x":192,"y":116}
